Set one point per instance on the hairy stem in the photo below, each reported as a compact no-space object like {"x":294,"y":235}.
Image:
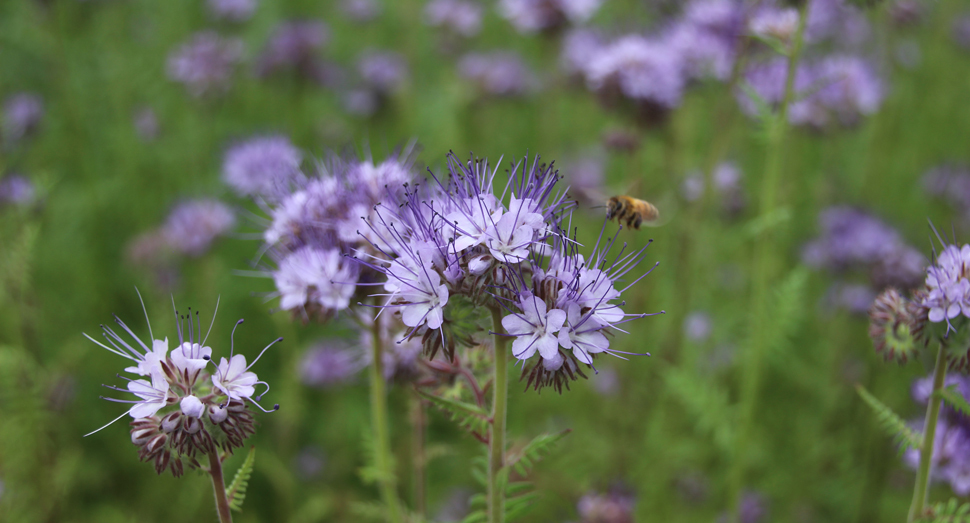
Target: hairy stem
{"x":763,"y":271}
{"x":219,"y":487}
{"x":929,"y":434}
{"x":496,"y":440}
{"x":386,"y":480}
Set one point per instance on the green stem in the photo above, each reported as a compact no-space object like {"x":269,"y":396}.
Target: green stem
{"x":763,"y":271}
{"x":929,"y":435}
{"x":386,"y":481}
{"x":496,"y":440}
{"x":418,"y":455}
{"x":219,"y":487}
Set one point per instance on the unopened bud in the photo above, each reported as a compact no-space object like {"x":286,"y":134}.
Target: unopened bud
{"x":891,"y":326}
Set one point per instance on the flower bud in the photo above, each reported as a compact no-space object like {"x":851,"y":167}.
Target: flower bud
{"x":217,"y":414}
{"x":192,"y":407}
{"x":891,"y":325}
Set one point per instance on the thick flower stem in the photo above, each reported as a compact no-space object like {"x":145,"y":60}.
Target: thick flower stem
{"x":219,"y":487}
{"x":763,"y":271}
{"x":929,"y":435}
{"x":496,"y":440}
{"x":386,"y":481}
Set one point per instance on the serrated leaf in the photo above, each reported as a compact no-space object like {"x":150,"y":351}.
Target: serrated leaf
{"x":477,"y":516}
{"x":236,"y":491}
{"x":470,"y":417}
{"x":707,"y":404}
{"x":777,"y":45}
{"x":906,"y":437}
{"x":951,"y":511}
{"x":954,"y":399}
{"x":526,"y":458}
{"x":765,"y":113}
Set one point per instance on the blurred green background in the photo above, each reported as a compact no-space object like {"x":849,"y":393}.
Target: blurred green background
{"x":659,"y":432}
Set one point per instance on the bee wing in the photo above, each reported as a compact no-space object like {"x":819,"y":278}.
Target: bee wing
{"x":667,"y":208}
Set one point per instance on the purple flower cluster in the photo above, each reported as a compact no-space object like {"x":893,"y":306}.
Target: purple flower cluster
{"x":382,"y":71}
{"x":950,"y":461}
{"x":361,"y":11}
{"x":232,"y":10}
{"x":961,"y":31}
{"x":585,"y":177}
{"x":851,"y":238}
{"x":327,"y":365}
{"x":951,"y":182}
{"x":16,"y":189}
{"x":206,"y":63}
{"x":458,"y":239}
{"x":461,"y":17}
{"x":183,"y":408}
{"x":614,"y":507}
{"x":837,"y":90}
{"x":948,"y":285}
{"x":531,"y":16}
{"x":264,"y":167}
{"x":293,"y":46}
{"x":22,"y":113}
{"x":497,"y":73}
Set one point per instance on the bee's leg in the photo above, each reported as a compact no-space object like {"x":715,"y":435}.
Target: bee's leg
{"x":637,"y":221}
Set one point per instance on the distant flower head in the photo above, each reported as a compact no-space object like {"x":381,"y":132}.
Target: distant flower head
{"x":16,"y":189}
{"x":192,"y":226}
{"x":294,"y":46}
{"x":640,"y":69}
{"x":530,"y":16}
{"x":312,"y":278}
{"x":361,"y":11}
{"x":327,"y":364}
{"x":774,"y":22}
{"x":907,"y":12}
{"x":697,"y":326}
{"x":579,"y":46}
{"x":463,"y":17}
{"x":232,"y":10}
{"x":585,"y":177}
{"x":146,"y":124}
{"x":497,"y":73}
{"x":615,"y":507}
{"x":753,"y":508}
{"x":961,"y":31}
{"x":361,"y":102}
{"x":262,"y":166}
{"x":703,"y":54}
{"x":206,"y":63}
{"x":22,"y":113}
{"x":178,"y":389}
{"x":836,"y":20}
{"x":855,"y":298}
{"x":383,"y":71}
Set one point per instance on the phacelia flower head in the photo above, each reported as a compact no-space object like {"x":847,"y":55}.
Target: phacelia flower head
{"x":460,"y":242}
{"x":184,"y":403}
{"x":263,"y":166}
{"x":328,"y":364}
{"x":361,"y":11}
{"x":293,"y":46}
{"x":961,"y":31}
{"x":462,"y":17}
{"x":892,"y":326}
{"x":192,"y":226}
{"x":383,"y":71}
{"x":531,"y":16}
{"x":950,"y":460}
{"x":232,"y":10}
{"x":613,"y":507}
{"x":206,"y":63}
{"x":22,"y":113}
{"x":498,"y":73}
{"x":16,"y":189}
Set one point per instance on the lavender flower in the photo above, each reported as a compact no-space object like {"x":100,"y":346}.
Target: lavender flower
{"x":22,"y":113}
{"x":461,"y":17}
{"x":836,"y":20}
{"x":16,"y":189}
{"x":950,"y":182}
{"x":146,"y":124}
{"x":360,"y":11}
{"x":361,"y":102}
{"x":640,"y":69}
{"x":949,"y":288}
{"x":262,"y":166}
{"x":180,"y":392}
{"x":855,"y":298}
{"x":579,"y":46}
{"x":697,"y":326}
{"x":950,"y":460}
{"x":293,"y":46}
{"x":774,"y":22}
{"x":383,"y":71}
{"x":461,"y":240}
{"x":232,"y":10}
{"x":192,"y":226}
{"x":315,"y":279}
{"x":530,"y":16}
{"x":497,"y":73}
{"x":961,"y":31}
{"x":614,"y":507}
{"x":206,"y":63}
{"x":326,"y":365}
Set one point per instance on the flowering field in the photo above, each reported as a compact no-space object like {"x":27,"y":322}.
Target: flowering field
{"x":448,"y":315}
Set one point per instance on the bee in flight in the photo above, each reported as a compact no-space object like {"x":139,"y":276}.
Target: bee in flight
{"x":632,"y":210}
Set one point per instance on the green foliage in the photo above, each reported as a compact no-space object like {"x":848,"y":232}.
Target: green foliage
{"x":953,"y":398}
{"x":236,"y":491}
{"x":951,"y":511}
{"x":523,"y":460}
{"x":469,"y":417}
{"x":786,"y":306}
{"x":891,"y":423}
{"x":707,"y":405}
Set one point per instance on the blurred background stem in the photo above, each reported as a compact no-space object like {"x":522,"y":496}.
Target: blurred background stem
{"x":382,"y":444}
{"x":496,"y":440}
{"x":764,"y":270}
{"x":418,"y":457}
{"x":929,"y":435}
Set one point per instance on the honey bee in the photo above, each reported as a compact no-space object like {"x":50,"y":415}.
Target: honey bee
{"x":632,"y":210}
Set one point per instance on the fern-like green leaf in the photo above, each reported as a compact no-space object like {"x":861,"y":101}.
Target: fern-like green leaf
{"x":707,"y":405}
{"x":470,"y":417}
{"x":523,"y":460}
{"x":236,"y":491}
{"x":906,"y":437}
{"x":954,"y":399}
{"x":951,"y":511}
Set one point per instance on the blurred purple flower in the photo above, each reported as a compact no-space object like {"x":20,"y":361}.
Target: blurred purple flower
{"x":293,"y":46}
{"x":585,"y":177}
{"x":16,"y":189}
{"x":360,"y":11}
{"x":232,"y":10}
{"x":836,"y":20}
{"x":206,"y":63}
{"x":615,"y":507}
{"x":639,"y":69}
{"x":951,"y":182}
{"x":606,"y":382}
{"x":22,"y":113}
{"x":907,"y":12}
{"x":309,"y":463}
{"x":579,"y":46}
{"x":361,"y":102}
{"x":961,"y":31}
{"x":146,"y":124}
{"x":327,"y":365}
{"x":462,"y":17}
{"x":192,"y":226}
{"x":500,"y":73}
{"x":383,"y":71}
{"x":855,"y":298}
{"x":697,"y":326}
{"x":774,"y":22}
{"x":950,"y":460}
{"x":530,"y":16}
{"x":753,"y":508}
{"x":265,"y":166}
